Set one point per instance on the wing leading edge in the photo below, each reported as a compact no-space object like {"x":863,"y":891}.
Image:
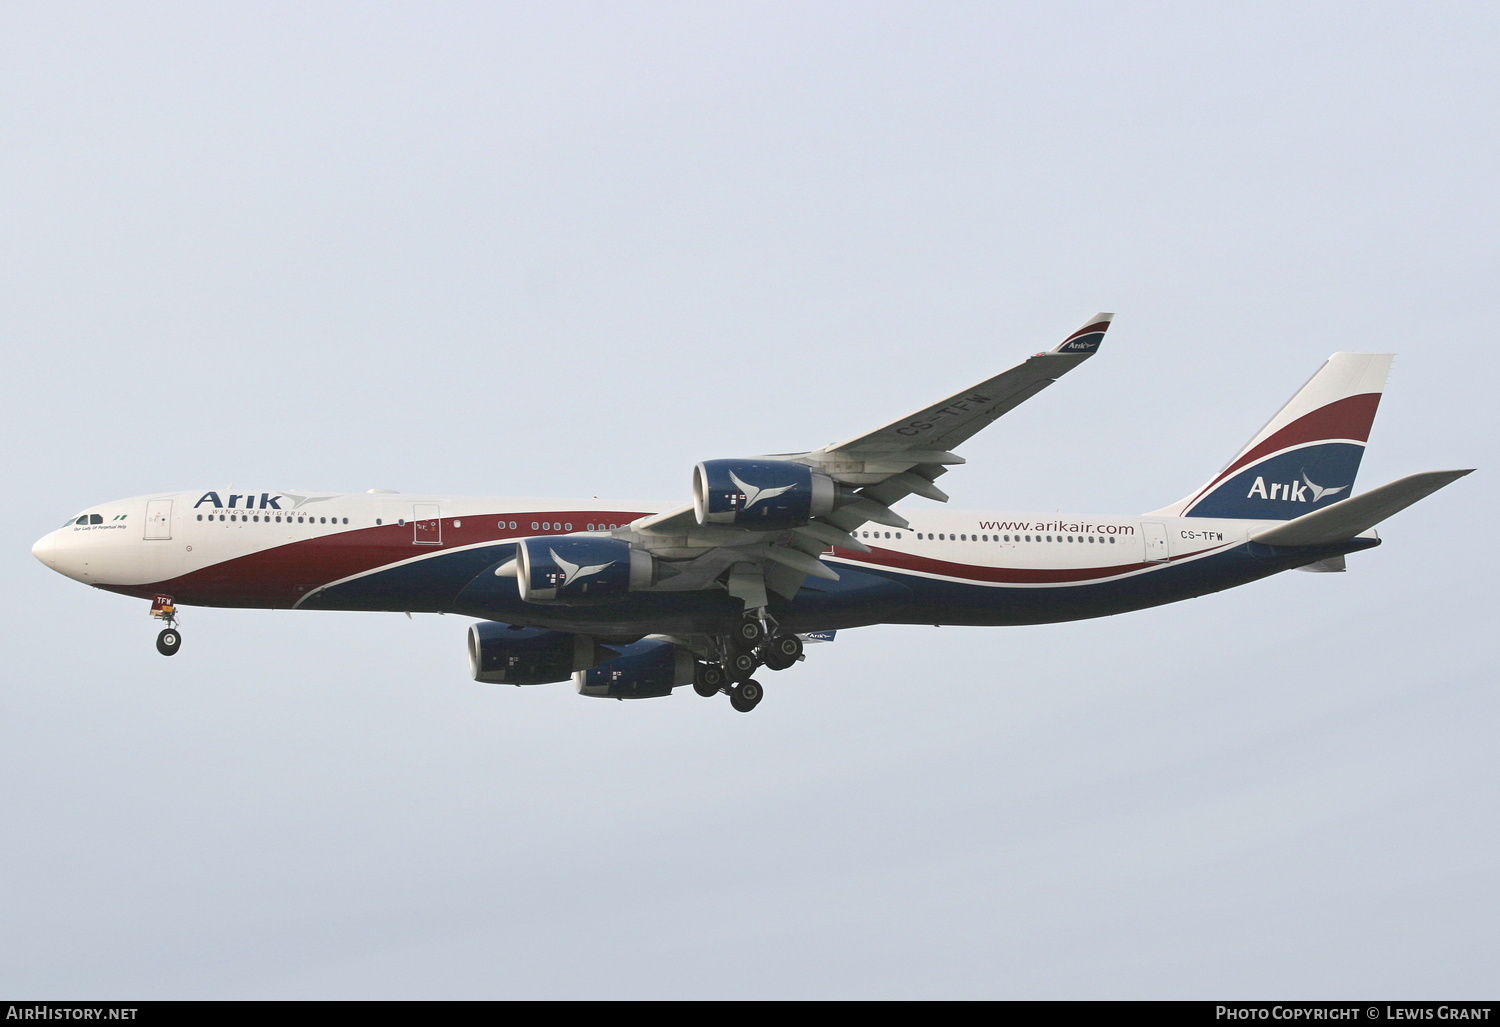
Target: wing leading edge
{"x":873,"y":470}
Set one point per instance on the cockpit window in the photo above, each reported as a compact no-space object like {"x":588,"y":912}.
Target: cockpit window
{"x":82,"y":520}
{"x":96,"y":518}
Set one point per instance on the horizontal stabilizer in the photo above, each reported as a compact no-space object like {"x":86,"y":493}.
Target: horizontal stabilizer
{"x":1347,"y":518}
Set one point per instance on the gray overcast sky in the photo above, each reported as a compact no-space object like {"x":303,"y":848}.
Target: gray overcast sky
{"x":572,"y":249}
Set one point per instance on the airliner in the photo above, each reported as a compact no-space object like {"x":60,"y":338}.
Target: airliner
{"x":632,"y":600}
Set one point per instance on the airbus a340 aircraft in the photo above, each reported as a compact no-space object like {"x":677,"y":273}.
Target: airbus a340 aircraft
{"x":632,"y":600}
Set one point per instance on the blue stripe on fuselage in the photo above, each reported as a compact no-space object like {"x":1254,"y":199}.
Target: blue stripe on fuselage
{"x":464,"y":583}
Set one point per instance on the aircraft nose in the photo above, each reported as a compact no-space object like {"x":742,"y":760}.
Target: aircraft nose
{"x":55,"y":551}
{"x":45,"y":549}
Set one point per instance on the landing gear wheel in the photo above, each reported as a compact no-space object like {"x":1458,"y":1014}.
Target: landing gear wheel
{"x":749,"y":632}
{"x":746,"y":696}
{"x":789,"y":647}
{"x":775,"y":661}
{"x":742,"y":665}
{"x":168,"y":642}
{"x":709,"y":680}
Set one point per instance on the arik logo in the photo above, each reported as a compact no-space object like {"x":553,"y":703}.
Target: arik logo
{"x":1304,"y":491}
{"x":268,"y":501}
{"x":571,"y":572}
{"x":754,"y":495}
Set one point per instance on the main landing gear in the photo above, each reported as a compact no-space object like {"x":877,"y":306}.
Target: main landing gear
{"x":751,"y":645}
{"x":170,"y":639}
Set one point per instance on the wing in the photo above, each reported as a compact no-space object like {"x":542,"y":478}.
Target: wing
{"x":960,"y":417}
{"x":874,"y":470}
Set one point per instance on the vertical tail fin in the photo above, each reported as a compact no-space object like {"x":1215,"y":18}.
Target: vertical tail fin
{"x":1306,"y":456}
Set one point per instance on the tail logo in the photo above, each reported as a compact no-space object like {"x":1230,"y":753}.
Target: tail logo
{"x":1319,"y":491}
{"x":754,"y":495}
{"x":1293,"y":491}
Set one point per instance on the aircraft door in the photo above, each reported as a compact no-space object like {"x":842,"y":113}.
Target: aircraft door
{"x":426,"y":524}
{"x":158,"y":519}
{"x":1155,"y":534}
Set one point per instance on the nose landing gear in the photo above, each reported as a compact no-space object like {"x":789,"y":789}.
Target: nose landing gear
{"x":168,"y":642}
{"x":170,"y":639}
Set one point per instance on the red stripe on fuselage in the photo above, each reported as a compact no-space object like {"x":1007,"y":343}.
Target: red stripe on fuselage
{"x":1004,"y":575}
{"x":279,"y":576}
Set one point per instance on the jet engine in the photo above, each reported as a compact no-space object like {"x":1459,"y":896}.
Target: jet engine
{"x":643,"y":670}
{"x":570,"y":570}
{"x":505,"y":654}
{"x":769,"y":494}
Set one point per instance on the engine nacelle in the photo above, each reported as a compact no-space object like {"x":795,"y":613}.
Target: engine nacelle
{"x":504,"y":654}
{"x":769,"y":494}
{"x":643,"y":670}
{"x":573,"y":570}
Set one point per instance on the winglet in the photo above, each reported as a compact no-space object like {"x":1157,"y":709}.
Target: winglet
{"x":1087,"y":338}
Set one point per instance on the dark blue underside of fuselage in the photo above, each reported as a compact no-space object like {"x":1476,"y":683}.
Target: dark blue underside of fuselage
{"x":464,"y":583}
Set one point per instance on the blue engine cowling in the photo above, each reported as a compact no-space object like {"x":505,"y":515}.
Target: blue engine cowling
{"x":504,"y":654}
{"x":769,"y":494}
{"x":643,"y":670}
{"x":573,"y":570}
